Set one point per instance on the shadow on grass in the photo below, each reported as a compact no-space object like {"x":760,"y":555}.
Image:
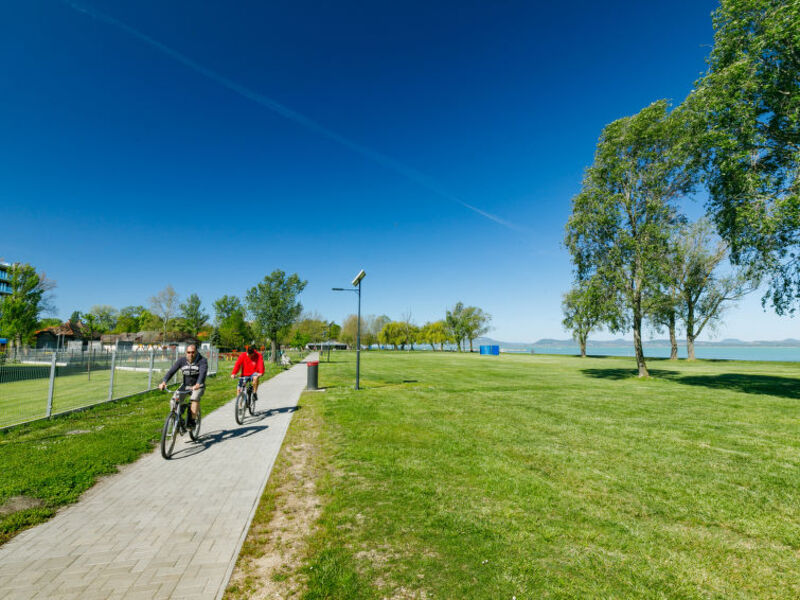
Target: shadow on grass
{"x":771,"y":385}
{"x":617,"y":374}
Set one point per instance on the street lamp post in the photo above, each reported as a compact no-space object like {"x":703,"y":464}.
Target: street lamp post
{"x":357,"y":285}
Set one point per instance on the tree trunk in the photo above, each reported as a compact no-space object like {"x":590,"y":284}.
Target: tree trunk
{"x":690,"y":330}
{"x":441,"y":346}
{"x":673,"y":341}
{"x":273,"y":351}
{"x":470,"y":345}
{"x":582,"y":342}
{"x":637,"y":336}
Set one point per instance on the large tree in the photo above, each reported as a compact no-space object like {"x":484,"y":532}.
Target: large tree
{"x":747,"y":107}
{"x":20,"y":310}
{"x":194,"y":318}
{"x":165,"y":305}
{"x":619,"y":228}
{"x":274,"y":305}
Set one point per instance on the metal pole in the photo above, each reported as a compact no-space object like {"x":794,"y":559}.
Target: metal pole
{"x":358,"y":336}
{"x":150,"y":370}
{"x":52,"y":386}
{"x":111,"y":381}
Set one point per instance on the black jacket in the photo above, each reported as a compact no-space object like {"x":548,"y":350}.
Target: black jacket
{"x":193,"y":373}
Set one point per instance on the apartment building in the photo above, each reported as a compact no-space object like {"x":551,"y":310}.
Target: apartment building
{"x":5,"y":289}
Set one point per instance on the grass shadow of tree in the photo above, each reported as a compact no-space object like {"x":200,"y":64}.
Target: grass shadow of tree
{"x":770,"y":385}
{"x":619,"y":374}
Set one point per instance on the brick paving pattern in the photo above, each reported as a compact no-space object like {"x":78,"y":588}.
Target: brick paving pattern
{"x":160,"y":528}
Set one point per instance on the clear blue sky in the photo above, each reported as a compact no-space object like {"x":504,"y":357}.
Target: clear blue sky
{"x":435,"y":145}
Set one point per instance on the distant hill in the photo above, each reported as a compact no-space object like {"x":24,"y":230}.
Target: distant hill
{"x":549,"y":342}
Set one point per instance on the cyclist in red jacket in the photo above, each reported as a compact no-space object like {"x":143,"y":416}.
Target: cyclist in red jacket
{"x":251,"y":363}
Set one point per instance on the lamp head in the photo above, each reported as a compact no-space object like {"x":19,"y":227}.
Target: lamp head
{"x":359,"y":277}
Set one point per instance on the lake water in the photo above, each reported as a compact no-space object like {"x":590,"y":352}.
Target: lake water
{"x":774,"y":353}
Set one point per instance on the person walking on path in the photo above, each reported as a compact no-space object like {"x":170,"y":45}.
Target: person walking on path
{"x":250,"y":363}
{"x":194,"y":368}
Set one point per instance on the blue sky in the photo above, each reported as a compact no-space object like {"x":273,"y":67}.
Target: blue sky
{"x":205,"y":144}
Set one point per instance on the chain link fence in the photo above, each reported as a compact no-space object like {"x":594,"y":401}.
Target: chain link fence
{"x":44,"y":383}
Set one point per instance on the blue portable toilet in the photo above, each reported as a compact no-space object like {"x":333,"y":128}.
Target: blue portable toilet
{"x":490,"y":350}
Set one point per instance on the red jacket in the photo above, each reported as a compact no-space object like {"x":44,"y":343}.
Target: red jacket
{"x":249,"y":366}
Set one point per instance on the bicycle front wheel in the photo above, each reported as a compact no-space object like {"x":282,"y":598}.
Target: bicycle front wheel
{"x":195,"y":433}
{"x":168,"y":435}
{"x":240,"y":407}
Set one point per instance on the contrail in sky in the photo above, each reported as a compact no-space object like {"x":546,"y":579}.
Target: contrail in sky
{"x":288,"y":113}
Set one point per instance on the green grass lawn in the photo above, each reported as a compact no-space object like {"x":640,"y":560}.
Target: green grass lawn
{"x":467,"y":476}
{"x":50,"y":463}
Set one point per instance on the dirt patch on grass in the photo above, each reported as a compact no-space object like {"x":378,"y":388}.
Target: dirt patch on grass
{"x":18,"y":503}
{"x":276,"y":543}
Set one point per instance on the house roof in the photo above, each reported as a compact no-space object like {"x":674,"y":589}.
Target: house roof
{"x":69,"y":329}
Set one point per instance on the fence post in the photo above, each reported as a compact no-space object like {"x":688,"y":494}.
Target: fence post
{"x":113,"y":367}
{"x":52,"y":386}
{"x":150,"y":370}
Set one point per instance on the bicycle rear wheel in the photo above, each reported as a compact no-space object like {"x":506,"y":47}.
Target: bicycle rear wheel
{"x":251,"y":406}
{"x":240,"y":407}
{"x":169,"y":434}
{"x":195,"y":433}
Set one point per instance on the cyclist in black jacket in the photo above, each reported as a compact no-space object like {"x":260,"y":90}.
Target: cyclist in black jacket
{"x":194,"y":368}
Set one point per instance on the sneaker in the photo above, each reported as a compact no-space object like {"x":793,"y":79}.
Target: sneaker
{"x":190,"y":423}
{"x":255,"y":396}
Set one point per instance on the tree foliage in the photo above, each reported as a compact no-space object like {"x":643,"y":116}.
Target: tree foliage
{"x":194,"y":318}
{"x":435,"y":333}
{"x":704,"y":292}
{"x":274,"y":305}
{"x":224,"y":307}
{"x":350,"y":330}
{"x":130,"y":319}
{"x":105,"y":317}
{"x":466,"y":323}
{"x":20,"y":310}
{"x":394,"y":334}
{"x":234,"y":332}
{"x":747,"y":108}
{"x":584,"y":307}
{"x":165,"y":305}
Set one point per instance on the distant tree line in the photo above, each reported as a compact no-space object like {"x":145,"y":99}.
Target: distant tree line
{"x":637,"y":258}
{"x":263,"y":317}
{"x":462,"y":325}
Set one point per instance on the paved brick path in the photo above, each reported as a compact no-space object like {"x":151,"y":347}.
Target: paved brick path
{"x":160,"y":529}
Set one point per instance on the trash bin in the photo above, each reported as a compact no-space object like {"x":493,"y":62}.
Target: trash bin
{"x":312,"y":380}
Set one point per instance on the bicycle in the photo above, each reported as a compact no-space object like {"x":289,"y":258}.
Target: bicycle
{"x":244,"y":399}
{"x":175,"y":423}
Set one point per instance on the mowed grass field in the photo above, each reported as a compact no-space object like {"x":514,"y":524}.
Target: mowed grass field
{"x":467,"y":476}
